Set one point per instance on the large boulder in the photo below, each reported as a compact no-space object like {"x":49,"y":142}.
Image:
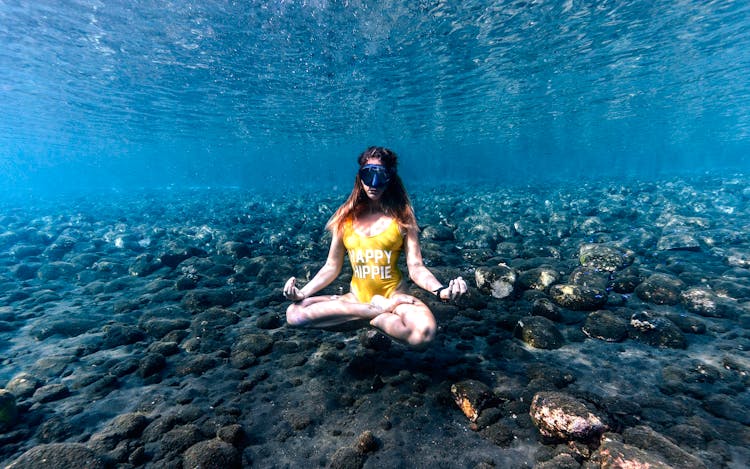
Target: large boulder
{"x":496,"y":281}
{"x":562,"y":416}
{"x":577,"y":297}
{"x":660,"y":289}
{"x":606,"y":325}
{"x":656,"y":331}
{"x":539,"y":332}
{"x":58,"y":455}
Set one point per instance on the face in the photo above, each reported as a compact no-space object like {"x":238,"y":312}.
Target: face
{"x":373,"y":193}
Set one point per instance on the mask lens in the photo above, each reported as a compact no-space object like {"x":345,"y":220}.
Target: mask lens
{"x":374,"y":175}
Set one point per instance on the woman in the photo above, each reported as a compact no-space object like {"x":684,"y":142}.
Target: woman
{"x":373,"y":226}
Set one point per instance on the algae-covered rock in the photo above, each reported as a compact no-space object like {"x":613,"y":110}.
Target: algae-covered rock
{"x":8,"y":410}
{"x":539,"y":332}
{"x":604,"y":258}
{"x":560,"y":415}
{"x":606,"y":325}
{"x":496,"y":281}
{"x":471,"y":396}
{"x":577,"y":297}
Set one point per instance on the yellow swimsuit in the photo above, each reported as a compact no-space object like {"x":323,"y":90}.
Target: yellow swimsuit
{"x":374,"y":261}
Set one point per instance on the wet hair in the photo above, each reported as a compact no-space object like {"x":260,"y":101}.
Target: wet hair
{"x":395,"y":201}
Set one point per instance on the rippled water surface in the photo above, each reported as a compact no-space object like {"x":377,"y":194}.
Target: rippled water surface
{"x":129,"y":93}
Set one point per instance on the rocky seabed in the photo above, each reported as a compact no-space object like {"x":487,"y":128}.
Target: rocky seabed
{"x":606,"y":326}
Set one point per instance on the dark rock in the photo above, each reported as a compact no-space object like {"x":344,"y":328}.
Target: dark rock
{"x":234,"y":249}
{"x":196,"y":365}
{"x":472,"y":397}
{"x":347,"y":458}
{"x":678,"y":241}
{"x":374,"y":340}
{"x":51,"y":392}
{"x":560,"y":461}
{"x":200,"y":299}
{"x":499,"y":433}
{"x":604,"y":258}
{"x":586,"y":277}
{"x":180,"y":438}
{"x":58,"y":455}
{"x":176,"y":254}
{"x":703,"y":301}
{"x":539,"y":278}
{"x":269,"y":321}
{"x":647,"y":439}
{"x":125,"y":426}
{"x":687,"y":323}
{"x":660,"y":289}
{"x":626,"y":280}
{"x":616,"y":454}
{"x":163,"y":348}
{"x":26,"y":271}
{"x":144,"y":265}
{"x":23,"y":251}
{"x":23,"y":384}
{"x":539,"y":332}
{"x":55,"y":429}
{"x":116,"y":335}
{"x":725,"y":407}
{"x":559,"y":415}
{"x":577,"y":297}
{"x":367,"y":443}
{"x":151,"y":364}
{"x":8,"y":410}
{"x":546,"y":308}
{"x":656,"y":331}
{"x":232,"y":434}
{"x":606,"y":325}
{"x":496,"y":281}
{"x":257,"y":344}
{"x":437,"y":233}
{"x":55,"y":270}
{"x":69,"y":327}
{"x":211,"y":324}
{"x":212,"y":454}
{"x":159,"y":328}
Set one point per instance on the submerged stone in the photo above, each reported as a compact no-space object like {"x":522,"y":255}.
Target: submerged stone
{"x":8,"y":410}
{"x":613,"y":454}
{"x":606,"y":325}
{"x":604,"y":258}
{"x":539,"y":332}
{"x":577,"y":297}
{"x":496,"y":281}
{"x":559,"y":415}
{"x":656,"y":331}
{"x":472,"y":397}
{"x":660,"y":289}
{"x":59,"y":455}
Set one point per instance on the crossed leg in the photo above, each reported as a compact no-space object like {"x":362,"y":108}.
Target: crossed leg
{"x":401,"y":316}
{"x":409,"y":320}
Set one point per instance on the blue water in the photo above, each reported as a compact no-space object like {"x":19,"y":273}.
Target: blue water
{"x":124,"y":94}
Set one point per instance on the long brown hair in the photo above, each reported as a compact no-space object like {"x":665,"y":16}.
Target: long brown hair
{"x":395,"y":201}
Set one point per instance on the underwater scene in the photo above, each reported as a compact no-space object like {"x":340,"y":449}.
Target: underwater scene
{"x":350,"y":234}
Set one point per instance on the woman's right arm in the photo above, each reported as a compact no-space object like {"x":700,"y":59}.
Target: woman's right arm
{"x":327,"y":274}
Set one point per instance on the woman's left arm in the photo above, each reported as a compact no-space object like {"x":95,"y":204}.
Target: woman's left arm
{"x":422,"y":276}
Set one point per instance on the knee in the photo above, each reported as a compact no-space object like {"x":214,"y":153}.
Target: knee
{"x":294,"y":316}
{"x":422,"y":336}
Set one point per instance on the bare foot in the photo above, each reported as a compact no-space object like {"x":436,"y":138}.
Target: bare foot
{"x":389,"y":304}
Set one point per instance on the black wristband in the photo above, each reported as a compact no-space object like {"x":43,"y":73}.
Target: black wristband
{"x":437,"y":292}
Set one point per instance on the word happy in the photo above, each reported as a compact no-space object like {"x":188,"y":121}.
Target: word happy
{"x":365,"y":263}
